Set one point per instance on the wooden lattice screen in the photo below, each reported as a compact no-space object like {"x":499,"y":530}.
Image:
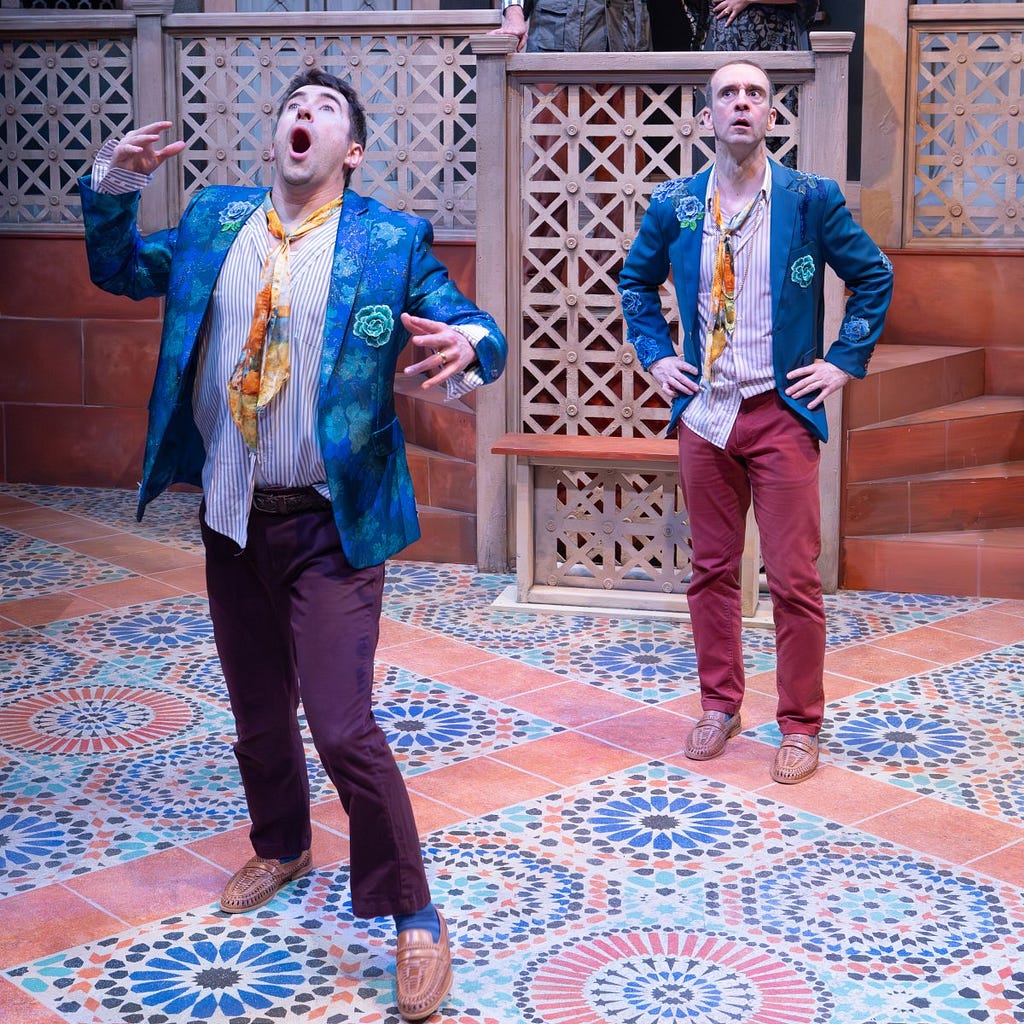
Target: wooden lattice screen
{"x":966,"y":166}
{"x":589,"y":154}
{"x":69,"y":82}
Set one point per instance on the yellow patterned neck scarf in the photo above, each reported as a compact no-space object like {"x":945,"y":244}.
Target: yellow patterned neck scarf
{"x":264,"y":364}
{"x":722,"y":319}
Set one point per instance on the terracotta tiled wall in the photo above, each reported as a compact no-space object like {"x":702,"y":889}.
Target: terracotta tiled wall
{"x":77,"y":365}
{"x":967,"y":299}
{"x":77,"y":368}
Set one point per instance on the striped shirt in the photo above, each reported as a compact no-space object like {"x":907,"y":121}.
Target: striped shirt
{"x":288,"y":452}
{"x":745,"y":368}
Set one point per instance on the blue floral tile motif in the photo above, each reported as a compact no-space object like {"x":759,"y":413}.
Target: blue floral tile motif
{"x":503,"y":896}
{"x":646,"y":660}
{"x":26,"y":839}
{"x":29,"y":660}
{"x":40,"y":568}
{"x":869,"y":906}
{"x":662,"y":824}
{"x":185,"y":790}
{"x":204,"y":978}
{"x":909,"y":737}
{"x":192,"y":970}
{"x":175,"y":627}
{"x":423,"y":726}
{"x":429,"y":724}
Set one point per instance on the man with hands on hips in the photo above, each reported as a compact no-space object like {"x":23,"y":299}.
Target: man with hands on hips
{"x":286,"y":311}
{"x":747,"y":242}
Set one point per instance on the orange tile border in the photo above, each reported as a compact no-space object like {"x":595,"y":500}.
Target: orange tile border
{"x":438,"y":654}
{"x":935,"y":644}
{"x":123,"y":593}
{"x":988,"y":624}
{"x":150,"y":888}
{"x":501,"y":678}
{"x":573,"y":703}
{"x":941,"y":830}
{"x":651,"y":731}
{"x":48,"y":920}
{"x":19,"y":1007}
{"x":394,"y":634}
{"x":191,"y":579}
{"x":434,"y":815}
{"x":745,"y":764}
{"x":569,"y":758}
{"x":874,"y":664}
{"x":1007,"y":864}
{"x":479,"y":786}
{"x":136,"y":553}
{"x":40,"y":611}
{"x":840,"y":795}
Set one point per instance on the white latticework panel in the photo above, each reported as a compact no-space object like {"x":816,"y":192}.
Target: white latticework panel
{"x":61,"y":100}
{"x":968,"y":174}
{"x":591,"y":155}
{"x":418,"y":91}
{"x":611,"y":529}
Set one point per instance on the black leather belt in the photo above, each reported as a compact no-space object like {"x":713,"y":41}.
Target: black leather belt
{"x":287,"y":502}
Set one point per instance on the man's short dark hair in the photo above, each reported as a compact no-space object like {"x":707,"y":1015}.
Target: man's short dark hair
{"x":317,"y":76}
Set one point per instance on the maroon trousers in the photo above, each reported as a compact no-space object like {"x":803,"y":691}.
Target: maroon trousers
{"x":772,"y":458}
{"x":294,"y":621}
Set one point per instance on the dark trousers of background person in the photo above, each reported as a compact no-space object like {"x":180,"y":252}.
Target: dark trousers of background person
{"x":294,"y":621}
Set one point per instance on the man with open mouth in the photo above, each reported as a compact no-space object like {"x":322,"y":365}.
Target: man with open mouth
{"x":286,"y":312}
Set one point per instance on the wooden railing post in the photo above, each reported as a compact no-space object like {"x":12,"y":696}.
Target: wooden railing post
{"x":158,"y":204}
{"x":824,"y":152}
{"x":492,"y":217}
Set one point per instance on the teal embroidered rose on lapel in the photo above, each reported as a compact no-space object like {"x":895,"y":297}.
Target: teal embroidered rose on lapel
{"x":232,"y":216}
{"x":802,"y":271}
{"x":374,"y":324}
{"x":689,"y":211}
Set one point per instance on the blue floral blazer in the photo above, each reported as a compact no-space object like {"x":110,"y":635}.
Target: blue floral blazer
{"x":810,"y":227}
{"x":383,"y":266}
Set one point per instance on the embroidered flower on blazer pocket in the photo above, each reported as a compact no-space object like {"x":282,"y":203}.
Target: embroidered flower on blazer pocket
{"x":802,"y":271}
{"x":232,"y":216}
{"x":374,"y":324}
{"x":689,"y":212}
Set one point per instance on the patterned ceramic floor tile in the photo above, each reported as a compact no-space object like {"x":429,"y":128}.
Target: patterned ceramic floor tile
{"x":429,"y":724}
{"x":652,"y":895}
{"x":37,"y":568}
{"x":178,"y":627}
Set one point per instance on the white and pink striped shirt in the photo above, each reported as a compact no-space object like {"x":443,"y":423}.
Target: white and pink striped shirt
{"x":745,"y":368}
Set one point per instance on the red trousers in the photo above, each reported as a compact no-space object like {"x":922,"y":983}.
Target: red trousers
{"x":293,"y":620}
{"x":772,"y":459}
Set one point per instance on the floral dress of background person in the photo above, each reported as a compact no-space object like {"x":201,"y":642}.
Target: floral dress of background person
{"x":775,"y":25}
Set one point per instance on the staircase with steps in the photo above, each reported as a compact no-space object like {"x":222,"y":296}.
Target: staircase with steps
{"x":933,"y":498}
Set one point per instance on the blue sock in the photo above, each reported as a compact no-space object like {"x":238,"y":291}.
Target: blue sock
{"x":288,"y":860}
{"x":426,"y":919}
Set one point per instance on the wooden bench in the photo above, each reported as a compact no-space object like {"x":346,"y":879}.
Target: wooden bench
{"x":600,"y":523}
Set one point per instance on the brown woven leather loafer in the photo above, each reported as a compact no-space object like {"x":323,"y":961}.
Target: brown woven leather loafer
{"x":423,"y":971}
{"x":258,"y":881}
{"x":707,"y":738}
{"x":796,"y":759}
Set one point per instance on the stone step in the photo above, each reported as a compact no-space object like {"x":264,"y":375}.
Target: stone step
{"x":974,"y":498}
{"x":904,"y":379}
{"x":978,"y":431}
{"x":971,"y":563}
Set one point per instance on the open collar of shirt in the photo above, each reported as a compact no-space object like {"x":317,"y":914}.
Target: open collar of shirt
{"x":766,"y":186}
